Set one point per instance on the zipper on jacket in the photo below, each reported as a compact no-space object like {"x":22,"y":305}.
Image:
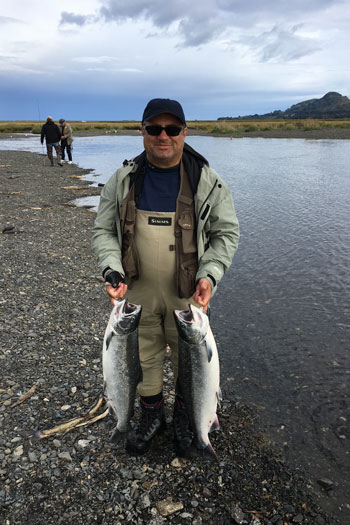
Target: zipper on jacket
{"x":207,"y":208}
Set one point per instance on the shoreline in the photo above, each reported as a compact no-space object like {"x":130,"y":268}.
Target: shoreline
{"x":54,"y":311}
{"x":313,"y":134}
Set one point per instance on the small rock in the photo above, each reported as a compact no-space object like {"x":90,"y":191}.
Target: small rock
{"x":32,"y":457}
{"x":83,"y":443}
{"x":237,"y":514}
{"x":18,"y":451}
{"x":298,"y":518}
{"x":145,"y":501}
{"x":206,"y":492}
{"x":65,"y":456}
{"x":325,"y":483}
{"x":166,"y":507}
{"x":178,"y":462}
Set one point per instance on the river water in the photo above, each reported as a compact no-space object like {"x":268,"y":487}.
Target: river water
{"x":281,"y":316}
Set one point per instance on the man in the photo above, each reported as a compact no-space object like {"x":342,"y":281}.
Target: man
{"x":51,"y":132}
{"x":165,"y":233}
{"x":66,"y":139}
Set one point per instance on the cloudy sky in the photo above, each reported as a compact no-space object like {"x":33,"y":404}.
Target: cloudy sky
{"x":104,"y":59}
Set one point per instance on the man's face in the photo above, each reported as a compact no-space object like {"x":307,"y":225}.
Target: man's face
{"x":164,"y":151}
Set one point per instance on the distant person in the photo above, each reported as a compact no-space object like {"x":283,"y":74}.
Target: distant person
{"x":66,"y":140}
{"x":52,"y":133}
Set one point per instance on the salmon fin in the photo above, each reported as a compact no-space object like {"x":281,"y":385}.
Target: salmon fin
{"x":112,"y":412}
{"x":109,"y":339}
{"x":215,"y":425}
{"x":219,"y":396}
{"x":209,"y":352}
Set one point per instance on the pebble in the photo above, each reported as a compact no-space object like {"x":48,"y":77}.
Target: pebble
{"x":65,"y":456}
{"x":325,"y":483}
{"x":18,"y":451}
{"x":166,"y":508}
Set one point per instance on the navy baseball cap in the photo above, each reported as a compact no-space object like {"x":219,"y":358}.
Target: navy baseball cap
{"x":158,"y":106}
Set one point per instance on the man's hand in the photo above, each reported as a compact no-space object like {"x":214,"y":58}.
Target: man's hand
{"x":116,"y":293}
{"x":115,"y":286}
{"x":202,"y":294}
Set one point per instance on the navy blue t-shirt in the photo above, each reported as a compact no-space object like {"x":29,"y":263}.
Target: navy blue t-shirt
{"x":160,"y":188}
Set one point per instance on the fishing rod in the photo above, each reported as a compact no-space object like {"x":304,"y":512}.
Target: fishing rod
{"x":42,"y":145}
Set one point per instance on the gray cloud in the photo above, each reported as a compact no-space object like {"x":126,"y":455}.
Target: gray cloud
{"x":201,"y":21}
{"x":9,"y":20}
{"x":281,"y":45}
{"x":79,"y":20}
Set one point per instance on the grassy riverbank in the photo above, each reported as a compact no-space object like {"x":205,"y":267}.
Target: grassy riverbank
{"x":221,"y":128}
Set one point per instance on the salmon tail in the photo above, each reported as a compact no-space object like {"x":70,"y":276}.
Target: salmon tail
{"x":206,"y":450}
{"x":210,"y":453}
{"x":117,"y":436}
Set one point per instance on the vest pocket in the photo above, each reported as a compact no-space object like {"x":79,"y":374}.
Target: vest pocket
{"x":129,"y":261}
{"x":188,"y":234}
{"x":187,"y":278}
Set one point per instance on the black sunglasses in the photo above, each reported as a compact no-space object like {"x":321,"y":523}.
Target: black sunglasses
{"x":171,"y":130}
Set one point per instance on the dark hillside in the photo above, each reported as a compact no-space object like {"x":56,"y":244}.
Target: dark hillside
{"x":332,"y":106}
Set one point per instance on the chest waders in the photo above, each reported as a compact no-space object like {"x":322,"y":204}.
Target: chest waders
{"x":156,"y":247}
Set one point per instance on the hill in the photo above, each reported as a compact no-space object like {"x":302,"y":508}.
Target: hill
{"x":332,"y":106}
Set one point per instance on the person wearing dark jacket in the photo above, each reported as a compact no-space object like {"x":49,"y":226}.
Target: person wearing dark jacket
{"x":51,"y":132}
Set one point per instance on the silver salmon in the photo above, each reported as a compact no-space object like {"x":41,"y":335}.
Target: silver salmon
{"x":199,"y":373}
{"x":121,"y":364}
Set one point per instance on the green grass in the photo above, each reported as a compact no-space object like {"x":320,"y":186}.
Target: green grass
{"x":222,"y":127}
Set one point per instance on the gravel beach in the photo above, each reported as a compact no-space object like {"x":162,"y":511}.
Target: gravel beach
{"x":53,"y":315}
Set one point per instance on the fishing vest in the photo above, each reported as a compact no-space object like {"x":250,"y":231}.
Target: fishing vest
{"x":185,"y":238}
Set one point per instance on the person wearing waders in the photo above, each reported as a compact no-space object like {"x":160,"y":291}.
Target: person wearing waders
{"x":165,"y":233}
{"x":66,"y":140}
{"x":51,"y":132}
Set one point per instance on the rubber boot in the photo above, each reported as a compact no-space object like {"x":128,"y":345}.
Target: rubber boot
{"x":150,"y":424}
{"x":183,"y":434}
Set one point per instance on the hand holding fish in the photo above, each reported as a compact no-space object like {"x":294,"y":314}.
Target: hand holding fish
{"x":115,"y":286}
{"x":116,"y":293}
{"x":202,"y":294}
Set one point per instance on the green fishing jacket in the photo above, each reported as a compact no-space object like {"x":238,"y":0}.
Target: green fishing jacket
{"x":217,"y":229}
